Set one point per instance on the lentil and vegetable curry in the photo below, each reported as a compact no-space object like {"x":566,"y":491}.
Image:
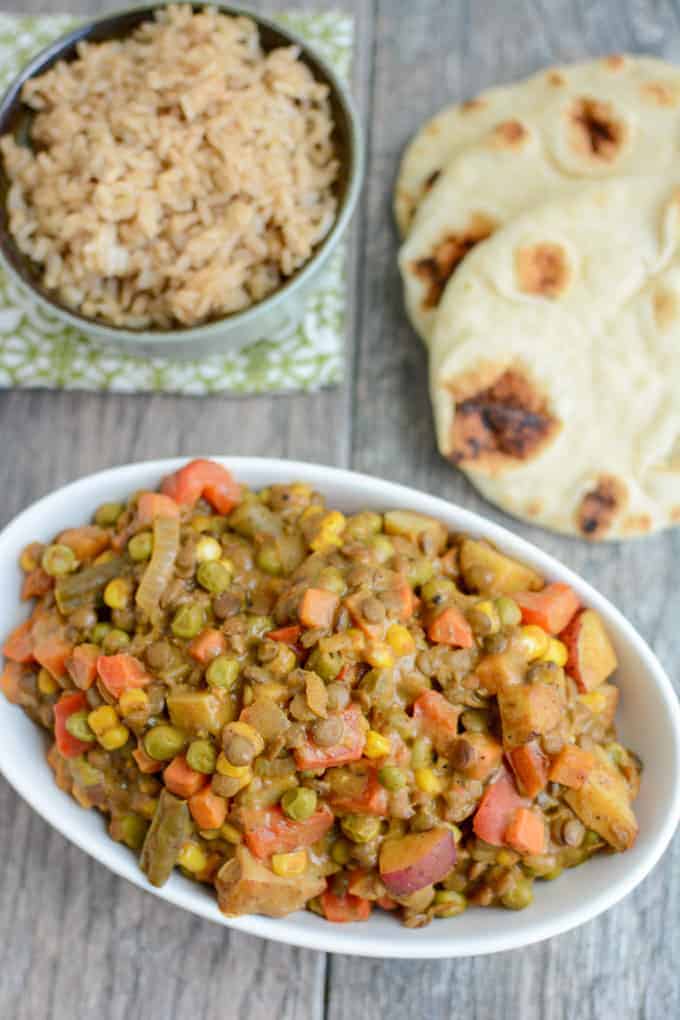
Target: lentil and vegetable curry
{"x":306,"y":709}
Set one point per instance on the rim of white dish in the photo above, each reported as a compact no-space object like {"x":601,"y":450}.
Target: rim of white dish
{"x":359,"y":940}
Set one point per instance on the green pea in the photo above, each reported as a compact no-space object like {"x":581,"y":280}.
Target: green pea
{"x":78,"y":726}
{"x":331,"y":579}
{"x":592,"y":838}
{"x":108,"y":513}
{"x":140,"y":546}
{"x":518,"y":896}
{"x":133,"y":829}
{"x":188,"y":621}
{"x":437,"y":590}
{"x":115,"y":640}
{"x":223,"y":671}
{"x":299,"y":803}
{"x":391,"y":777}
{"x":58,"y":560}
{"x":258,"y":626}
{"x":509,"y":612}
{"x":360,"y":828}
{"x":382,"y":548}
{"x":164,"y":742}
{"x":99,"y":632}
{"x":202,"y":756}
{"x":341,"y":851}
{"x":448,"y":903}
{"x":214,"y":576}
{"x":268,"y":558}
{"x":363,"y":526}
{"x":326,"y":664}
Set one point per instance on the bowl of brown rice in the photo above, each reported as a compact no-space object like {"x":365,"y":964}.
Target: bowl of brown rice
{"x":174,"y":179}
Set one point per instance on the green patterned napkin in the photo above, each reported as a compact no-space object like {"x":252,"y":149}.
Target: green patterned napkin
{"x":36,"y":350}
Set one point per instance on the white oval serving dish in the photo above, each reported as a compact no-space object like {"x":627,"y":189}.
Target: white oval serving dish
{"x":648,"y":721}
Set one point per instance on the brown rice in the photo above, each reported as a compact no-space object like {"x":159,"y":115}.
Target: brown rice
{"x":178,"y":175}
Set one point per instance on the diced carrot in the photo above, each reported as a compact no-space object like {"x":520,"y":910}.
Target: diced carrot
{"x":9,"y":681}
{"x":207,"y":809}
{"x":571,"y":766}
{"x":386,"y":903}
{"x":207,"y":645}
{"x":526,"y":832}
{"x":86,"y":542}
{"x":451,"y":628}
{"x":268,"y":831}
{"x":311,"y":756}
{"x":341,"y":909}
{"x":318,"y":607}
{"x":36,"y":584}
{"x":438,"y":718}
{"x":203,"y":478}
{"x":407,"y":600}
{"x":155,"y":504}
{"x":286,"y":635}
{"x":120,"y":672}
{"x":552,"y":608}
{"x":81,"y":665}
{"x":67,"y":745}
{"x":353,"y":605}
{"x":19,"y":645}
{"x":181,"y":779}
{"x":145,"y":763}
{"x":372,"y":799}
{"x":499,"y":802}
{"x":53,"y":653}
{"x":530,"y":766}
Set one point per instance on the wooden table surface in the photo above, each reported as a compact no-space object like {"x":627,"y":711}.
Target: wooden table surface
{"x":79,"y":942}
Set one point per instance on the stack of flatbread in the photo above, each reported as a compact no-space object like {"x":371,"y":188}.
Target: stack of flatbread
{"x":541,"y":266}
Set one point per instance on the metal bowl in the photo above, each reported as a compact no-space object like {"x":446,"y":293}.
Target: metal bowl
{"x":282,"y":309}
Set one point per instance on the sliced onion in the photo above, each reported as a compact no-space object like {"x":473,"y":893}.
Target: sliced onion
{"x":161,"y":565}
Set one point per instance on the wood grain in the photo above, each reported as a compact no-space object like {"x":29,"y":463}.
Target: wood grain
{"x":81,"y":943}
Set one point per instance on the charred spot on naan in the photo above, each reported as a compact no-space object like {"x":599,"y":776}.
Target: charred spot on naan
{"x":659,"y":92}
{"x":509,"y":134}
{"x":615,"y":61}
{"x":470,"y":105}
{"x":675,"y":514}
{"x":595,"y":131}
{"x":665,"y":308}
{"x":543,"y":269}
{"x":601,"y":506}
{"x":556,"y":79}
{"x":436,"y":270}
{"x":501,"y":425}
{"x":636,"y":524}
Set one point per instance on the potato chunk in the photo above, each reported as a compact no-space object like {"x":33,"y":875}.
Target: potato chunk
{"x":247,"y":886}
{"x":527,"y":710}
{"x":603,"y":804}
{"x":486,"y":570}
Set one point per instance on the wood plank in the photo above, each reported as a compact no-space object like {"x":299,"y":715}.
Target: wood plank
{"x":624,"y":964}
{"x":82,"y":942}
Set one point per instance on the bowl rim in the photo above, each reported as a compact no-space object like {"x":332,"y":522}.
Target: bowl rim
{"x":181,"y":893}
{"x":237,"y":320}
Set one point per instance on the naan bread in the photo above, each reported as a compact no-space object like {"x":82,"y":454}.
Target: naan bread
{"x":555,"y":362}
{"x":595,"y":117}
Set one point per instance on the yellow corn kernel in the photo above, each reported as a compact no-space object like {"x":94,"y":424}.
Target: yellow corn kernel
{"x":102,"y":719}
{"x":225,"y":768}
{"x":488,"y":609}
{"x":301,"y":490}
{"x":192,"y":858}
{"x":534,"y":641}
{"x":329,"y":535}
{"x":594,"y":700}
{"x":132,"y":700}
{"x":428,"y":781}
{"x":357,"y":637}
{"x":311,"y":511}
{"x":287,"y":865}
{"x":379,"y":655}
{"x":556,"y":652}
{"x":114,"y":738}
{"x":207,"y":549}
{"x":376,"y":745}
{"x":400,"y":640}
{"x":506,"y":858}
{"x":244,"y":729}
{"x":105,"y":557}
{"x":46,"y":683}
{"x":230,"y":833}
{"x":273,"y":690}
{"x":117,"y":593}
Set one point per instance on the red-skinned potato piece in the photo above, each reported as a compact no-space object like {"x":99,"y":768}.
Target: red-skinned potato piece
{"x":591,"y":658}
{"x":552,"y":608}
{"x":203,"y":478}
{"x":530,"y":766}
{"x":411,"y":862}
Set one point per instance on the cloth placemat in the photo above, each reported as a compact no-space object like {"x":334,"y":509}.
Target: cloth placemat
{"x":36,"y":350}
